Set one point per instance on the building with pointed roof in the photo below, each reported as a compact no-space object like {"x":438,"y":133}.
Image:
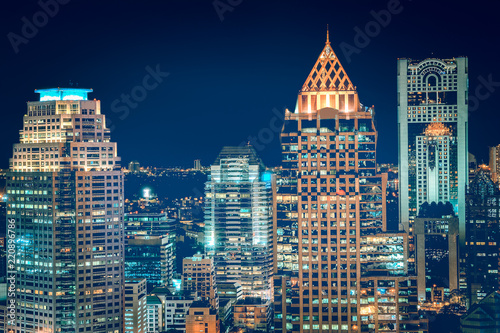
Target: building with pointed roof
{"x":350,"y":272}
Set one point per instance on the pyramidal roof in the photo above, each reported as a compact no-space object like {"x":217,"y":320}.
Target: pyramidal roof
{"x":327,"y":73}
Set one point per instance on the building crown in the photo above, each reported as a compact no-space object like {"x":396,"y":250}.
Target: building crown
{"x":327,"y":73}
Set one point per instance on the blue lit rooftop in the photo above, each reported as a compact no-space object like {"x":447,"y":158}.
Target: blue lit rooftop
{"x":63,"y":94}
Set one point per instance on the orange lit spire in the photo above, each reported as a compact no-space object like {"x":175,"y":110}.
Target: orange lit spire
{"x":328,"y":73}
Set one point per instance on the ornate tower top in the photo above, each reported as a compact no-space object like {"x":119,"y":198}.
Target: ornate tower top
{"x":327,"y":73}
{"x":327,"y":85}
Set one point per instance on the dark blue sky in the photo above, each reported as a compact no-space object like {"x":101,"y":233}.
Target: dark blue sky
{"x":226,"y":77}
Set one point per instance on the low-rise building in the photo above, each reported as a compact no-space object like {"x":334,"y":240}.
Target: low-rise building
{"x":154,"y":314}
{"x":252,"y":314}
{"x":202,"y":318}
{"x":135,"y":306}
{"x":199,"y":276}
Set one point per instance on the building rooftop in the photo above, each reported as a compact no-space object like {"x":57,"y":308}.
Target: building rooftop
{"x":251,"y":301}
{"x":63,"y":94}
{"x":244,"y":152}
{"x":153,"y":299}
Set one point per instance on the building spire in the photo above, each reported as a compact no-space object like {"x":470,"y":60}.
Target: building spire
{"x":327,"y":73}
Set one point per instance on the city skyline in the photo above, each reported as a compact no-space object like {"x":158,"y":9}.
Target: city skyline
{"x":230,"y":166}
{"x":228,"y":46}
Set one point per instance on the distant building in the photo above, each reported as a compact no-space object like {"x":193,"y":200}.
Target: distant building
{"x":472,"y":166}
{"x":483,"y":237}
{"x":495,"y":164}
{"x":134,"y":167}
{"x":240,"y":220}
{"x":150,"y":248}
{"x":135,"y":306}
{"x":199,"y":276}
{"x":252,"y":314}
{"x":202,"y":318}
{"x":484,"y":316}
{"x":197,"y":165}
{"x":154,"y":314}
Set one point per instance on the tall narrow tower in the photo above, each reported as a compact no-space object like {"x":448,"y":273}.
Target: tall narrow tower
{"x":240,"y":221}
{"x":433,"y":141}
{"x":65,"y":206}
{"x":347,"y":263}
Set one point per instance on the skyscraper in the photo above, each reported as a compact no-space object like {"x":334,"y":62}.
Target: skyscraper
{"x":351,"y":273}
{"x":65,"y":190}
{"x":433,"y":139}
{"x":483,"y":237}
{"x":240,"y":221}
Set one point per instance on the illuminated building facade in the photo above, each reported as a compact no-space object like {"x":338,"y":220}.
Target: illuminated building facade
{"x":201,"y":317}
{"x":344,"y":251}
{"x":252,"y":314}
{"x":135,"y":306}
{"x":483,"y":237}
{"x":154,"y":314}
{"x":150,"y":248}
{"x":433,"y":139}
{"x":65,"y":190}
{"x":240,"y":221}
{"x":436,"y":243}
{"x":198,"y":275}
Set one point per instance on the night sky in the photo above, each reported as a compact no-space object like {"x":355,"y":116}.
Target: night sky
{"x":226,"y":76}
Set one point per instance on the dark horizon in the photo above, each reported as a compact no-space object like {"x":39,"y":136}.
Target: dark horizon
{"x":225,"y":77}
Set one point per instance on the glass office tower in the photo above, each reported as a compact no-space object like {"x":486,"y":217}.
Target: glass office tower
{"x":240,"y":221}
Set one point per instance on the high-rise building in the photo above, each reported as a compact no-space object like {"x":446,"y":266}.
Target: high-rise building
{"x":338,"y":208}
{"x":495,"y":164}
{"x":202,"y":318}
{"x":198,"y":275}
{"x":135,"y":306}
{"x":65,"y":201}
{"x":483,"y":237}
{"x":433,"y":139}
{"x":150,"y":248}
{"x":240,"y":220}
